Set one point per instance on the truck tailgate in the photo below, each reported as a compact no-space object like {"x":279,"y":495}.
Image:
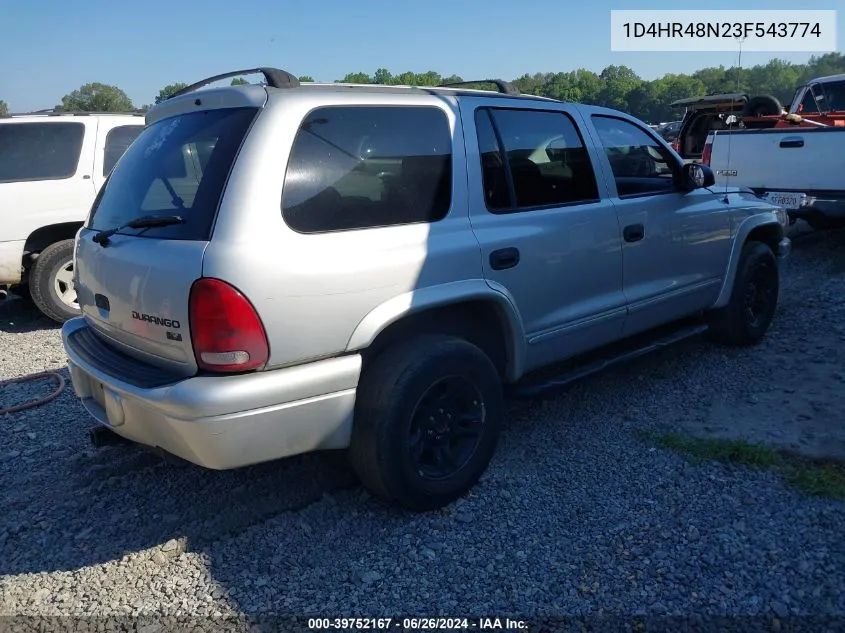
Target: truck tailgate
{"x":799,"y":159}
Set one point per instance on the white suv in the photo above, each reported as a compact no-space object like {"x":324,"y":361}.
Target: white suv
{"x":51,"y":167}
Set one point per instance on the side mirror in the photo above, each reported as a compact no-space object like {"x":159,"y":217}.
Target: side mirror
{"x":697,"y":176}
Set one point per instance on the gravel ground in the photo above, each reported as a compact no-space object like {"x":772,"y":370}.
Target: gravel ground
{"x":576,"y":516}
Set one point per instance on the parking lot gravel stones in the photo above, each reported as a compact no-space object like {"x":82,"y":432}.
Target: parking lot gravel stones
{"x":577,"y":515}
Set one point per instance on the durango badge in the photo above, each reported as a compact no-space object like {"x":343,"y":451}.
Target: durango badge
{"x":151,"y":318}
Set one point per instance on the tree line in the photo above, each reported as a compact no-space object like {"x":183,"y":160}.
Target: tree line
{"x":617,"y":87}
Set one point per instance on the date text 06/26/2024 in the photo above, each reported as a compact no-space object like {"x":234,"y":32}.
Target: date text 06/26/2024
{"x":417,"y":624}
{"x":723,"y":30}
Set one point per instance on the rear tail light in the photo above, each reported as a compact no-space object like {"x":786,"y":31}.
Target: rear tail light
{"x":674,"y":146}
{"x":707,"y":153}
{"x":226,"y":331}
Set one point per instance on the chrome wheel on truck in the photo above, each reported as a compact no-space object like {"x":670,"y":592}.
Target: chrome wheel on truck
{"x":51,"y":282}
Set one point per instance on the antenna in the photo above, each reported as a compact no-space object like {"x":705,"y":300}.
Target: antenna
{"x":730,"y":134}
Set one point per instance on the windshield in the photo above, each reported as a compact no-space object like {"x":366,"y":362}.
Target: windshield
{"x":176,"y":166}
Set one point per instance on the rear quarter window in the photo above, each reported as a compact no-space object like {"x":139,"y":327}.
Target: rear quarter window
{"x":40,"y":151}
{"x":176,"y":166}
{"x":355,"y":167}
{"x":118,"y":140}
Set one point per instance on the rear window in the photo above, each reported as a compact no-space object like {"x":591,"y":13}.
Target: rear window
{"x":39,"y":151}
{"x":176,"y":166}
{"x":354,"y":167}
{"x":117,"y":141}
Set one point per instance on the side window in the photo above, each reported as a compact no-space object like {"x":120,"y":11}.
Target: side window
{"x":354,"y":167}
{"x":117,"y":141}
{"x":640,"y":164}
{"x":39,"y":151}
{"x":547,"y":160}
{"x":494,"y":175}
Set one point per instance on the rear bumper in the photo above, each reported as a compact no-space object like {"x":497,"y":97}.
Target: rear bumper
{"x":224,"y":422}
{"x":829,"y":206}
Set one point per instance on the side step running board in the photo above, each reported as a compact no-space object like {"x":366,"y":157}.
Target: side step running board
{"x":641,"y":345}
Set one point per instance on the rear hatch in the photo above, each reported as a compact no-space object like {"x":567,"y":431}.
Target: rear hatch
{"x":134,"y":286}
{"x":702,"y":115}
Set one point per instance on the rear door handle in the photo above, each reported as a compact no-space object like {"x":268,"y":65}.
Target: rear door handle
{"x":504,"y":258}
{"x":792,"y":141}
{"x":633,"y":232}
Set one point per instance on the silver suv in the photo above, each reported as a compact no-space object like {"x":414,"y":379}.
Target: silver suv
{"x":282,"y":268}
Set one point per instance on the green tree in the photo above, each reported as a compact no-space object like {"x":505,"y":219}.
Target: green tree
{"x":97,"y":97}
{"x":588,"y":84}
{"x":169,"y":90}
{"x":621,"y":88}
{"x":382,"y":76}
{"x":821,"y":66}
{"x":306,"y":79}
{"x":356,"y":78}
{"x":239,"y":81}
{"x":451,"y":79}
{"x":618,"y":82}
{"x":4,"y":108}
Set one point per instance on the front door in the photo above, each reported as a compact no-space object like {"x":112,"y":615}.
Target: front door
{"x":549,"y":236}
{"x":675,"y":243}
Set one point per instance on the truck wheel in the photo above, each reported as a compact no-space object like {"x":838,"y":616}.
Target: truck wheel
{"x":427,"y":419}
{"x":763,"y":105}
{"x":51,"y":282}
{"x":754,"y":299}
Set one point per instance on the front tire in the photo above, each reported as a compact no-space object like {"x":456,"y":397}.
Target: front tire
{"x":428,"y":415}
{"x":746,"y":318}
{"x":51,"y":282}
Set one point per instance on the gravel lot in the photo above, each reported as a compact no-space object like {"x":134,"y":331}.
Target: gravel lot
{"x":577,"y":515}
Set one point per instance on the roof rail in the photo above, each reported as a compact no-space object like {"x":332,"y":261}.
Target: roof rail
{"x":276,"y":78}
{"x":503,"y":87}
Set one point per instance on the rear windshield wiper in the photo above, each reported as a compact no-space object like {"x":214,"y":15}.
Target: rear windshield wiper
{"x":144,"y":222}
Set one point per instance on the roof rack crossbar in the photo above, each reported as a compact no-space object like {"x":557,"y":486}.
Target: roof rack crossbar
{"x":276,"y":78}
{"x":504,"y":87}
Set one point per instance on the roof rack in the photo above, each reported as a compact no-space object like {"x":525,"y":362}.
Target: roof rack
{"x":276,"y":78}
{"x":503,"y":87}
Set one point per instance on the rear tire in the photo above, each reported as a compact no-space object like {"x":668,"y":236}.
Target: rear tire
{"x":746,"y":318}
{"x":51,"y":282}
{"x":427,"y":397}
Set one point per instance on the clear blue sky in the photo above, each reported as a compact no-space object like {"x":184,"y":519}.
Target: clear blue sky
{"x":49,"y":49}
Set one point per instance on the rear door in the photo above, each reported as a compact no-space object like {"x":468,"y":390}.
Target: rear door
{"x":675,"y":243}
{"x":45,"y":173}
{"x":549,"y":236}
{"x":134,"y":290}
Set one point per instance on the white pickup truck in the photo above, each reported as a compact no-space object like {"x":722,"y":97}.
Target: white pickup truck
{"x":801,"y":169}
{"x":51,"y":167}
{"x":794,"y":158}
